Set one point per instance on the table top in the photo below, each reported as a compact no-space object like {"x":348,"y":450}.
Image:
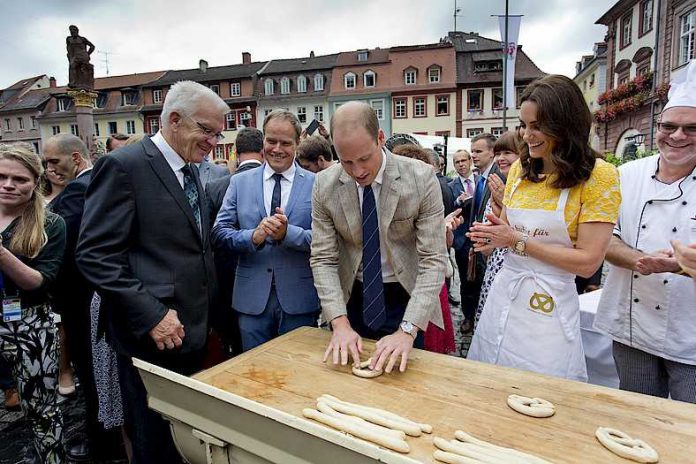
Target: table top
{"x":451,"y":394}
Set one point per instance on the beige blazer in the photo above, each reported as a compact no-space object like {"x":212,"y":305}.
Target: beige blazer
{"x":411,"y":229}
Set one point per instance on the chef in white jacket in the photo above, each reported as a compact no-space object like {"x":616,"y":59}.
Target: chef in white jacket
{"x":648,"y":305}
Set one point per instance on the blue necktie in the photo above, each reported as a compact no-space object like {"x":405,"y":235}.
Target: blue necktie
{"x":478,"y":194}
{"x":275,"y":198}
{"x":374,"y":313}
{"x":191,"y":192}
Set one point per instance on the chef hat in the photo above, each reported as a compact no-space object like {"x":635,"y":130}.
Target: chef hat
{"x":683,"y":88}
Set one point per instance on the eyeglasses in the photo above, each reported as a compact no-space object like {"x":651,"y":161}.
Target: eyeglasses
{"x":669,"y":128}
{"x":207,"y":131}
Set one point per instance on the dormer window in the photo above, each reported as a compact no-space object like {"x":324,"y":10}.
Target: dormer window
{"x":268,"y":87}
{"x":285,"y":86}
{"x":369,"y":79}
{"x":434,"y":74}
{"x":349,"y":81}
{"x":128,"y":98}
{"x":318,"y":82}
{"x":301,"y":84}
{"x":362,"y":55}
{"x":63,"y":104}
{"x":410,"y":76}
{"x":488,"y":66}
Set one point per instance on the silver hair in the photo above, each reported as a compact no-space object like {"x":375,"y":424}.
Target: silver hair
{"x":67,"y":143}
{"x":185,"y":97}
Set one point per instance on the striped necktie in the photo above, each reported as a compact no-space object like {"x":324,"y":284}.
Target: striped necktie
{"x":374,"y":312}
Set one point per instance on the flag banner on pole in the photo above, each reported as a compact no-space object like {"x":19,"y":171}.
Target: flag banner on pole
{"x":510,"y":51}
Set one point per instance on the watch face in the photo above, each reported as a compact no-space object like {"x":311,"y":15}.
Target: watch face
{"x":407,"y":326}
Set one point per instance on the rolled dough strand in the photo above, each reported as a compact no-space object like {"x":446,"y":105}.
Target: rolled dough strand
{"x":466,"y":438}
{"x":476,"y":452}
{"x":427,"y":428}
{"x":451,"y":458}
{"x":324,"y":407}
{"x":621,"y":444}
{"x":356,"y":430}
{"x":352,"y":410}
{"x":483,"y":453}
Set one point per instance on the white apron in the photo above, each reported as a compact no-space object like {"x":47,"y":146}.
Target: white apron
{"x":531,"y":320}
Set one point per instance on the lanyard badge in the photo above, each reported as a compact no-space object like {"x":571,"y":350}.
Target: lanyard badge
{"x":11,"y":307}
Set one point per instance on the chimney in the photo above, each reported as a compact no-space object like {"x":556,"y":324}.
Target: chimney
{"x":246,"y":58}
{"x":203,"y":66}
{"x":311,"y":54}
{"x":52,"y":82}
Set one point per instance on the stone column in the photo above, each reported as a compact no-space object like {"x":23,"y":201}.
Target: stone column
{"x":84,"y":104}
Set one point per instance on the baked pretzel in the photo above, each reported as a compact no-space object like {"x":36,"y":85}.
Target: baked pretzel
{"x":365,"y":372}
{"x":534,"y":407}
{"x":623,"y":445}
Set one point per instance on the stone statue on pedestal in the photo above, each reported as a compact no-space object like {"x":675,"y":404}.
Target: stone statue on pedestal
{"x":81,"y":74}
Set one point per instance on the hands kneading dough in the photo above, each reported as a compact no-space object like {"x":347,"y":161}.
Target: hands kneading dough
{"x":365,"y":372}
{"x":622,"y":445}
{"x":374,"y":425}
{"x":533,"y":407}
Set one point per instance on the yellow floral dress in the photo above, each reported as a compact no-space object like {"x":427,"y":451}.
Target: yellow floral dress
{"x":596,"y":200}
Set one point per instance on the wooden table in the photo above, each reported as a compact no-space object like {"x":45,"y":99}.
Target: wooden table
{"x":286,"y":375}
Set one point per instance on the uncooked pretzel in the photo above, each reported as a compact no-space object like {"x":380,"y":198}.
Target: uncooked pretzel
{"x":623,"y":445}
{"x":354,"y":410}
{"x":364,"y":371}
{"x":533,"y":407}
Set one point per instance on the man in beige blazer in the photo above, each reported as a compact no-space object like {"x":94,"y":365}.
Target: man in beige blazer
{"x":373,"y":191}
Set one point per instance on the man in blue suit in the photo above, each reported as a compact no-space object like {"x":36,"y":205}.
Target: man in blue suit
{"x":266,"y":218}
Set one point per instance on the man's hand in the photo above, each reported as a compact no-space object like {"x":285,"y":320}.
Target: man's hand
{"x":169,"y":332}
{"x":686,"y":256}
{"x":259,"y":235}
{"x":655,"y":263}
{"x":463,"y":197}
{"x":388,"y":350}
{"x":452,"y":222}
{"x":276,"y":226}
{"x":344,"y":341}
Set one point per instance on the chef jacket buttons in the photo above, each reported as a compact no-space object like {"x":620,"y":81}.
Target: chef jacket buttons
{"x":657,"y":307}
{"x":665,"y":281}
{"x":635,"y":276}
{"x":684,"y":203}
{"x":674,"y":229}
{"x":636,"y":300}
{"x":650,"y":202}
{"x":643,"y":226}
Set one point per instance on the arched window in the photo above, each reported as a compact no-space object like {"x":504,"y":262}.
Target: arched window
{"x":369,"y":79}
{"x":285,"y":85}
{"x":301,"y":84}
{"x":268,"y":86}
{"x":318,"y":82}
{"x":349,"y":81}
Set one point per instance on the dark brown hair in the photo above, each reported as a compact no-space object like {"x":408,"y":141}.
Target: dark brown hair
{"x":563,"y":115}
{"x":313,"y":147}
{"x":412,"y":151}
{"x":509,"y":141}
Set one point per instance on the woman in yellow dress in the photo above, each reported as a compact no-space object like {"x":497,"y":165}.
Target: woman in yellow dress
{"x":561,"y":203}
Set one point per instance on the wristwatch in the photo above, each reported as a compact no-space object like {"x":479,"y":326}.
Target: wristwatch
{"x":409,"y":328}
{"x":520,"y":246}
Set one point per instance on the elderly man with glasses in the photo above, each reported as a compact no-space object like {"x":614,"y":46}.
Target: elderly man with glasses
{"x":648,"y":305}
{"x":144,"y":244}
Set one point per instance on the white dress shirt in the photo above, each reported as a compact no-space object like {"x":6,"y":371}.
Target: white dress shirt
{"x":269,"y":184}
{"x":388,"y":274}
{"x":174,"y":161}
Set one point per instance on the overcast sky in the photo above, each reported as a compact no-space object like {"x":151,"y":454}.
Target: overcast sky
{"x":155,"y":35}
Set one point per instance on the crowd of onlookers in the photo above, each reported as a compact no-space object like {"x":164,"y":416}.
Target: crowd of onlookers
{"x":154,"y":252}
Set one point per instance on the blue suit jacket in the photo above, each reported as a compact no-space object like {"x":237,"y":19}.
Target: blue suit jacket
{"x":286,"y":261}
{"x":459,"y":238}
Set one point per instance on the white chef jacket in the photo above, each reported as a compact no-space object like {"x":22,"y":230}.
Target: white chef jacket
{"x":655,"y":313}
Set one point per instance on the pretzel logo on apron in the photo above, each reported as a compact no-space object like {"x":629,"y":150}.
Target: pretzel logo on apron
{"x":542,"y":302}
